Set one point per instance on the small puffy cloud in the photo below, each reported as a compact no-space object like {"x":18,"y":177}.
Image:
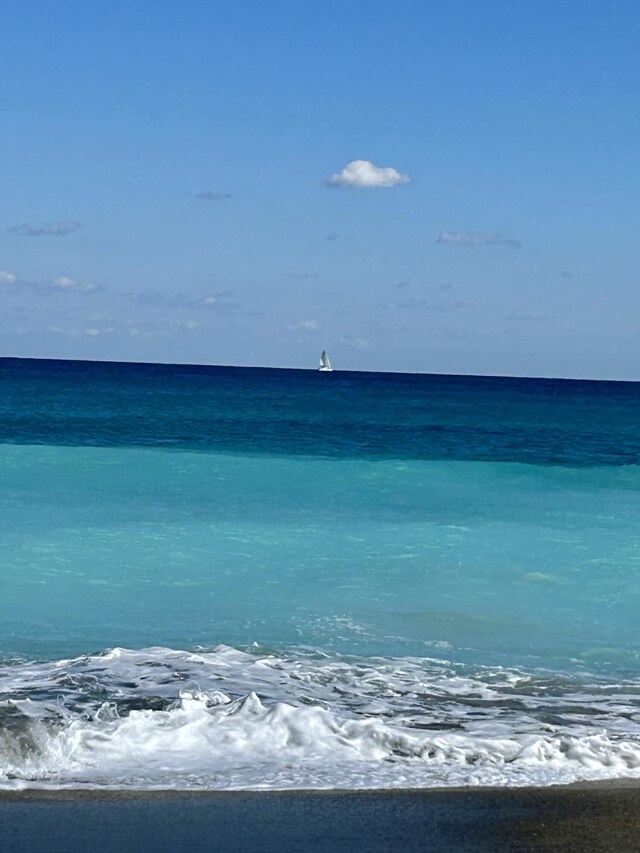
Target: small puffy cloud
{"x":362,"y":174}
{"x":7,"y":277}
{"x":191,"y":324}
{"x":466,"y":238}
{"x":45,"y":229}
{"x":303,"y":326}
{"x":209,"y":195}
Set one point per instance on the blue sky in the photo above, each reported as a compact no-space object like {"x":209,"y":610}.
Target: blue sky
{"x":167,"y":193}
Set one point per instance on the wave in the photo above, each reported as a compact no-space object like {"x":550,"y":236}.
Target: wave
{"x":225,"y":719}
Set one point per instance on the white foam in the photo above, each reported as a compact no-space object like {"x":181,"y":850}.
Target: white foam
{"x":228,"y":719}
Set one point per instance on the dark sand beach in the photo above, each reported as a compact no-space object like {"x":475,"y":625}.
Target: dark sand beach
{"x":599,"y":817}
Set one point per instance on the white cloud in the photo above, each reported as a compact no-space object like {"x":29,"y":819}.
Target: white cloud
{"x":7,"y":277}
{"x":465,"y":238}
{"x":362,"y":174}
{"x":63,"y":282}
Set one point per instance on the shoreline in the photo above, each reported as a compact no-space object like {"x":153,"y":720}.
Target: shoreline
{"x":599,"y":816}
{"x":26,"y":794}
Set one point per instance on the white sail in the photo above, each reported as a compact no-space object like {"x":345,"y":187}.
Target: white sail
{"x":325,"y":364}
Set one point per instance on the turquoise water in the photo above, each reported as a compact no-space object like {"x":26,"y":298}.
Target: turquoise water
{"x":128,"y":546}
{"x":476,"y":540}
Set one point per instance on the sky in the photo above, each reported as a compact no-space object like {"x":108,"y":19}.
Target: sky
{"x":413,"y":186}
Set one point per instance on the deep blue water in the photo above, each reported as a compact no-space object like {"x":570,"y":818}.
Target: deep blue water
{"x":338,"y":415}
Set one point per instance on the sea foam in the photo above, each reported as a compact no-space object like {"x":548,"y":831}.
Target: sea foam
{"x":223,"y":719}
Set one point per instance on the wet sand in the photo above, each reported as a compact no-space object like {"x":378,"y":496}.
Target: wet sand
{"x":599,"y":817}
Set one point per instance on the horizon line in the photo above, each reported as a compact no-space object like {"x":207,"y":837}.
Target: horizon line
{"x":314,"y":369}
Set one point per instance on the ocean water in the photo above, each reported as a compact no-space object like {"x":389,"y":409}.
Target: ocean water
{"x":245,"y":578}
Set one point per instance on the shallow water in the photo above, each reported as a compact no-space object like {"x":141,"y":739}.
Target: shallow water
{"x":375,"y":580}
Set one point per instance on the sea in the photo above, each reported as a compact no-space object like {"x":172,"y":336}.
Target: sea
{"x":243,"y":578}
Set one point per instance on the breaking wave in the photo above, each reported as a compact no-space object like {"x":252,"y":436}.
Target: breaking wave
{"x":223,"y":719}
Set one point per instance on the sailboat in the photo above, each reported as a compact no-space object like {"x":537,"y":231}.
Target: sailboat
{"x":325,"y":364}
